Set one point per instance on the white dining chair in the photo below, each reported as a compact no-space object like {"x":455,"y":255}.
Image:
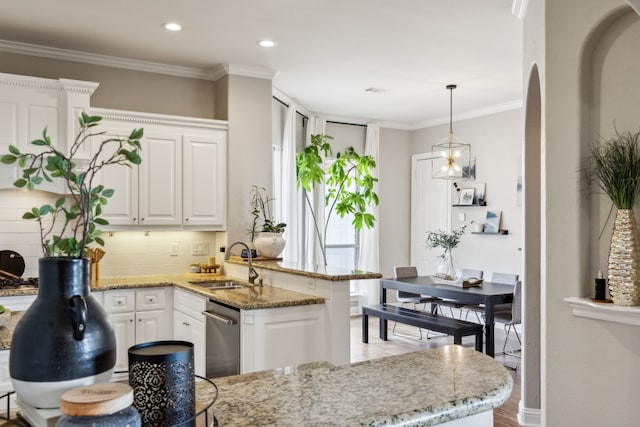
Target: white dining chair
{"x":408,"y":297}
{"x":510,"y":319}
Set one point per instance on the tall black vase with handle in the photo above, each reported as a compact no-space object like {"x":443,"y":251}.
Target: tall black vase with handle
{"x":64,"y":339}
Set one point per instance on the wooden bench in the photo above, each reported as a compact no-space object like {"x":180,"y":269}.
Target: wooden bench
{"x":422,"y":319}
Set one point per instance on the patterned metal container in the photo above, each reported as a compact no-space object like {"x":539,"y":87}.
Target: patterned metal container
{"x":624,"y":260}
{"x":162,"y":376}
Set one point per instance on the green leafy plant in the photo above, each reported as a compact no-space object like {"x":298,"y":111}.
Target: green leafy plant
{"x":615,"y":168}
{"x":70,"y":224}
{"x":444,"y":240}
{"x":260,"y":205}
{"x":348,"y":184}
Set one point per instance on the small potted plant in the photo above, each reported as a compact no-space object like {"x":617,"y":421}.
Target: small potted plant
{"x":65,"y":338}
{"x":446,"y":241}
{"x":267,"y":238}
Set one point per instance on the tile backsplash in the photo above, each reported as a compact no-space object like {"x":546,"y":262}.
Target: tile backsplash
{"x":128,"y":253}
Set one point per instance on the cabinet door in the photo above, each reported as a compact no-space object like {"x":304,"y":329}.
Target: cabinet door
{"x":122,"y":208}
{"x":152,"y":326}
{"x":204,"y":171}
{"x":186,"y":328}
{"x":24,"y":114}
{"x":160,"y":193}
{"x":124,"y":329}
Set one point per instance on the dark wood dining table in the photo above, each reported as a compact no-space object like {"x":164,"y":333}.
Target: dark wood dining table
{"x":487,"y":293}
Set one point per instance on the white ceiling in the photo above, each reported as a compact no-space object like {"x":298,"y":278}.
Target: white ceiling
{"x":328,"y":52}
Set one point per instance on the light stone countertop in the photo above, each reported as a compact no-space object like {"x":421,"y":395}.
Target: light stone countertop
{"x":247,"y":298}
{"x":301,"y":269}
{"x":6,"y":332}
{"x":423,"y":388}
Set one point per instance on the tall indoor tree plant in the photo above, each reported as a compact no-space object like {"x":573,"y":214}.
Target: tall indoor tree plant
{"x":615,"y":168}
{"x":65,"y":339}
{"x":347,"y":180}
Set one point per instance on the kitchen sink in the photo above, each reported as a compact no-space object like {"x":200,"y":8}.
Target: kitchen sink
{"x":217,"y":284}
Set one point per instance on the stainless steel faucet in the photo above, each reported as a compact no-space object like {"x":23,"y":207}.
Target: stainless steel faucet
{"x":253,"y":274}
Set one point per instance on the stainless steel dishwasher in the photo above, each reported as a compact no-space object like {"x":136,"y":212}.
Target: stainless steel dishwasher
{"x":223,"y":340}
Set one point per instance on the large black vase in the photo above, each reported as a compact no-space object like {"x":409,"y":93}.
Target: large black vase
{"x":64,"y":339}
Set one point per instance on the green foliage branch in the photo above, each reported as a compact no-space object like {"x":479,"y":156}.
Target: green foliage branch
{"x":349,"y":185}
{"x":444,"y":240}
{"x":70,"y":224}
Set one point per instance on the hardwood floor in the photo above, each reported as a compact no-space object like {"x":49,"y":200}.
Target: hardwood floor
{"x":407,"y":340}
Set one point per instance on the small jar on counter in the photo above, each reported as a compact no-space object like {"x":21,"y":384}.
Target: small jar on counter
{"x":99,"y":405}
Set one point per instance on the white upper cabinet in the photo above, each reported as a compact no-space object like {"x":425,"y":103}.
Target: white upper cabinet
{"x":28,"y":105}
{"x":181,"y":180}
{"x":204,"y":173}
{"x":160,"y":178}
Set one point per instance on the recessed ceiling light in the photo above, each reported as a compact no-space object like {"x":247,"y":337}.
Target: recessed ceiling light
{"x":266,"y":43}
{"x":172,"y":26}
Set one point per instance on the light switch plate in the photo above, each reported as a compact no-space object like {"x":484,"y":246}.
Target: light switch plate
{"x":173,"y":249}
{"x":461,"y":216}
{"x":199,"y":248}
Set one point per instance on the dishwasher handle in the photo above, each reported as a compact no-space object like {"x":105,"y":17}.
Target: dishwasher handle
{"x":219,"y":318}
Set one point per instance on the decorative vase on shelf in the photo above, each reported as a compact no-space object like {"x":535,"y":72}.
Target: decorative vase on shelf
{"x":64,"y":340}
{"x":446,"y":269}
{"x":624,"y":260}
{"x":269,"y":245}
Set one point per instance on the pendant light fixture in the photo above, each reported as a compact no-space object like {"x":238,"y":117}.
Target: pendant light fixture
{"x":451,"y":157}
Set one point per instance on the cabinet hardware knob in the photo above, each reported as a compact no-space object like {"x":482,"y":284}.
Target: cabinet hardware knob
{"x":141,"y":219}
{"x":130,"y":320}
{"x":135,"y":219}
{"x":186,"y":219}
{"x":185,"y":323}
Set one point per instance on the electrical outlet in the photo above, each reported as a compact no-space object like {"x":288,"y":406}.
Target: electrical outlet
{"x":200,"y":248}
{"x":173,"y":249}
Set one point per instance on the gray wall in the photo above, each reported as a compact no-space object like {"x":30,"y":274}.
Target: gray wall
{"x":496,"y":144}
{"x":124,"y":89}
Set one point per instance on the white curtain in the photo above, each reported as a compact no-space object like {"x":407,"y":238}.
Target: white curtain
{"x":369,"y":237}
{"x":316,"y":125}
{"x":290,"y":198}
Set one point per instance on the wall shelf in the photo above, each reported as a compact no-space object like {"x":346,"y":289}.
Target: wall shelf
{"x":475,"y":205}
{"x":586,"y":307}
{"x":499,"y":233}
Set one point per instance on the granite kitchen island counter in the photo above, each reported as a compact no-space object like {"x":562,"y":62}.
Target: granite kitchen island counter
{"x":423,"y":388}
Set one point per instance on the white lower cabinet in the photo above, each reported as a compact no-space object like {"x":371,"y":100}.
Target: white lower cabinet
{"x":189,"y":325}
{"x":280,"y":337}
{"x":137,"y":316}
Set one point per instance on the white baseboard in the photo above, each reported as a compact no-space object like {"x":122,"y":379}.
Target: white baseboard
{"x":529,"y":417}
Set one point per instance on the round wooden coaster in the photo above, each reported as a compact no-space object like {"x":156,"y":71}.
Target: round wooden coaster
{"x":96,"y":399}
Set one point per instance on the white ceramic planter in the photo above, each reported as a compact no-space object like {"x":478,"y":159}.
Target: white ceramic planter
{"x":478,"y":228}
{"x":269,"y":245}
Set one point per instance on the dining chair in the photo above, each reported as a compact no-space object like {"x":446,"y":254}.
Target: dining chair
{"x":408,"y":297}
{"x":512,"y":318}
{"x":496,"y":277}
{"x":465,"y":274}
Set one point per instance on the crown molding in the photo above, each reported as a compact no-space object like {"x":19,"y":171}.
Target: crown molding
{"x":491,"y":109}
{"x":250,"y":71}
{"x":66,"y":85}
{"x":213,"y":73}
{"x":158,"y":119}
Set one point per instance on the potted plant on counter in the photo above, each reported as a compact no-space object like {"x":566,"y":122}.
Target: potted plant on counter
{"x":267,"y":238}
{"x":65,"y":339}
